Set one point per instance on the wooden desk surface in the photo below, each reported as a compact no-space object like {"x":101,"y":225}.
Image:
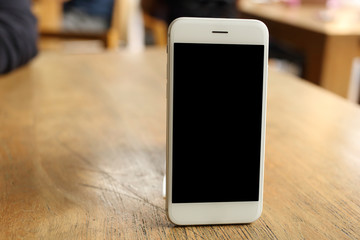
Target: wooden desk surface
{"x":345,"y":20}
{"x":82,"y":151}
{"x":328,"y":48}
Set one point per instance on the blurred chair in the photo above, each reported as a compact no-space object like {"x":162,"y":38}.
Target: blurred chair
{"x":50,"y":16}
{"x":157,"y":27}
{"x":155,"y":15}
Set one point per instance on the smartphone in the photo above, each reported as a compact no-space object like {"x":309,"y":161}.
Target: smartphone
{"x":216,"y":107}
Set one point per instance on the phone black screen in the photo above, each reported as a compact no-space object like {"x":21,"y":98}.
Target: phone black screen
{"x":217,"y":114}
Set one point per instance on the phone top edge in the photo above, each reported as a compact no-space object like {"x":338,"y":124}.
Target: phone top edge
{"x":207,"y":19}
{"x":207,"y":30}
{"x":216,"y":20}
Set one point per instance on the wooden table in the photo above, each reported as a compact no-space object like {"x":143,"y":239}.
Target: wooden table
{"x":329,"y":47}
{"x":82,"y":151}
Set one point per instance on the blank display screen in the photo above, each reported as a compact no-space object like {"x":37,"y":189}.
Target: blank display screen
{"x":217,"y":114}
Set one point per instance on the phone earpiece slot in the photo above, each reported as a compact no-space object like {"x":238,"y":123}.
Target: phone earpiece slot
{"x":220,"y":32}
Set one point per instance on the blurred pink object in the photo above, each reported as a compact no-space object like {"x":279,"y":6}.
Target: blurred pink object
{"x":294,"y":3}
{"x":332,"y":4}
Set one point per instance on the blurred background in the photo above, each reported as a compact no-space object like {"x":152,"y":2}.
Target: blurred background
{"x":317,"y":40}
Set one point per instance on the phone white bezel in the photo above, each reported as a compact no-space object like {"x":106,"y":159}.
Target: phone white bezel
{"x":228,"y":31}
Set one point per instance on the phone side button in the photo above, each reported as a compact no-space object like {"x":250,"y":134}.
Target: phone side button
{"x":167,"y":88}
{"x":167,"y":79}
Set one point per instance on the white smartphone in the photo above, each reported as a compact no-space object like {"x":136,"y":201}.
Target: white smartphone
{"x":216,"y":107}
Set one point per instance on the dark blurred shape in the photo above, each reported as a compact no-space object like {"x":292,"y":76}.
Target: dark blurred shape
{"x":87,"y":15}
{"x":202,"y":8}
{"x":18,"y":34}
{"x":288,"y":55}
{"x":169,"y":10}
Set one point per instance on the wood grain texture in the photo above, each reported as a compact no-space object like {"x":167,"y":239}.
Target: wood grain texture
{"x":82,"y":151}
